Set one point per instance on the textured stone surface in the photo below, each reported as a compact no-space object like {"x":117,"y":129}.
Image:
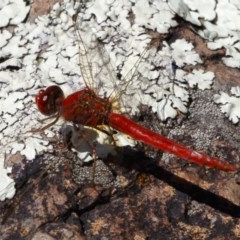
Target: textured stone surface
{"x":155,"y":199}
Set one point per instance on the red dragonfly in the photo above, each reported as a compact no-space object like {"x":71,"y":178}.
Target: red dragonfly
{"x":86,"y":107}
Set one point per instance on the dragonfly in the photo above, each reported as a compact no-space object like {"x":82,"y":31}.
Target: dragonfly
{"x":85,"y":107}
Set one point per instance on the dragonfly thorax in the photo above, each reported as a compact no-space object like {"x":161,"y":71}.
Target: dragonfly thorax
{"x":86,"y":108}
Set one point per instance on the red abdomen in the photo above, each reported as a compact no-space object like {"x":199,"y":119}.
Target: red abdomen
{"x":156,"y":140}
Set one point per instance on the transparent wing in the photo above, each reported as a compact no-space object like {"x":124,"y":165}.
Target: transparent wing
{"x":83,"y":36}
{"x":130,"y":69}
{"x":96,"y":62}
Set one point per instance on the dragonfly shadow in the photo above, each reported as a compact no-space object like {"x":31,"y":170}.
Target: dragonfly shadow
{"x":149,"y":166}
{"x":197,"y":193}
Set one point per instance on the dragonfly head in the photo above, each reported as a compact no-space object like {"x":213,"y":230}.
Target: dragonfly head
{"x":48,"y":100}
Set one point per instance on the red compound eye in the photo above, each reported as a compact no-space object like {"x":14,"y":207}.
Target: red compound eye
{"x":46,"y":99}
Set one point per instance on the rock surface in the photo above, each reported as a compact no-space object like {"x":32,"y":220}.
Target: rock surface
{"x":154,"y":198}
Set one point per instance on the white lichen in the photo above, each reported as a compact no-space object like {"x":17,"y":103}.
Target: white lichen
{"x":219,"y":23}
{"x":230,"y":105}
{"x":7,"y":189}
{"x":194,"y":11}
{"x":98,"y":144}
{"x":12,"y":12}
{"x":46,"y":52}
{"x":203,"y":80}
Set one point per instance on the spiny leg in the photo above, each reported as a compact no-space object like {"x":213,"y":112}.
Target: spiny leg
{"x":85,"y":137}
